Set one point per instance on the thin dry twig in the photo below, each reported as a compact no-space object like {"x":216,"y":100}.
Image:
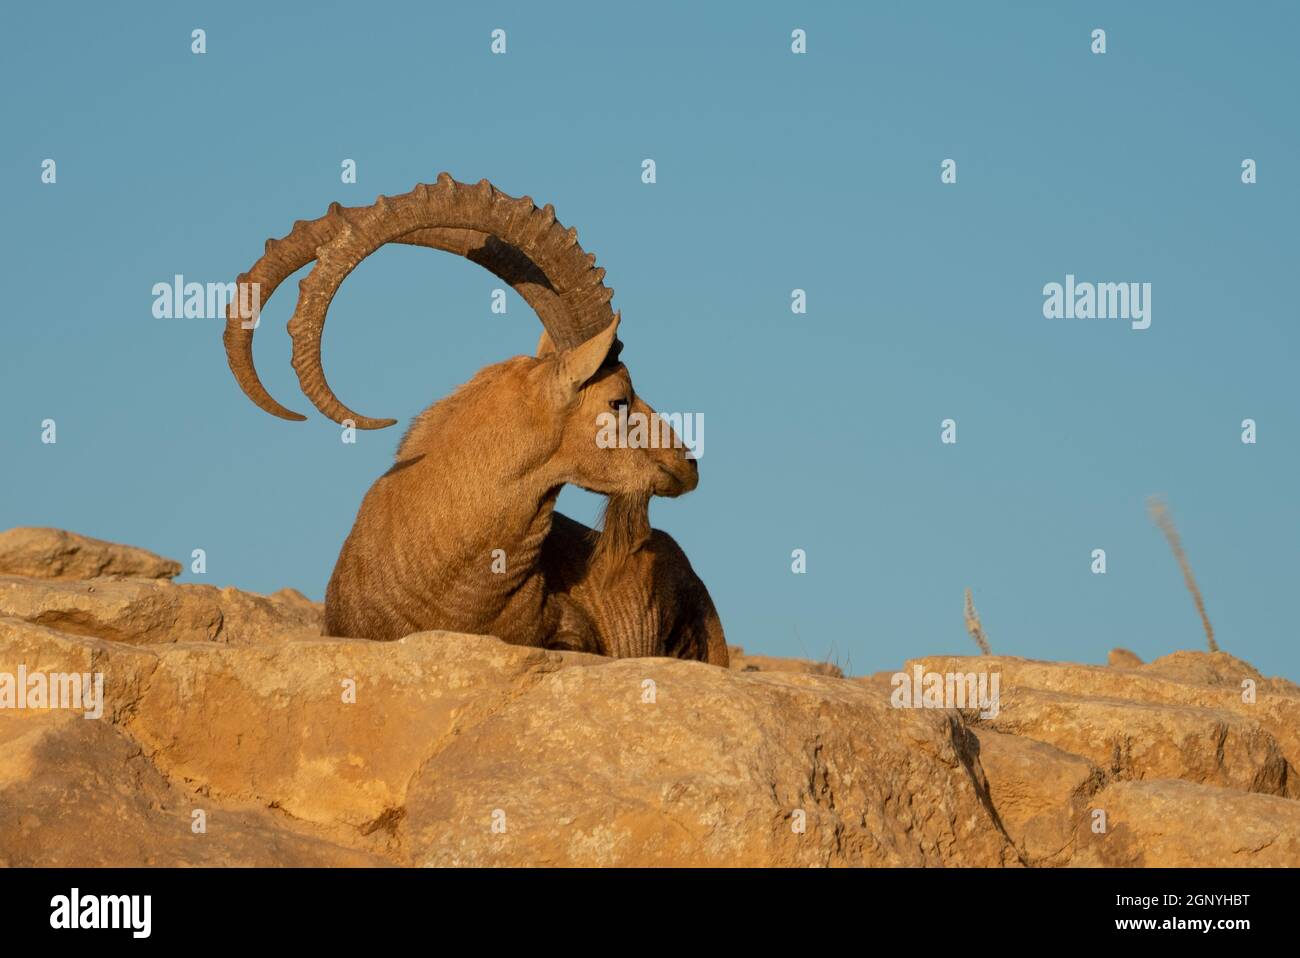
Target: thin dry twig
{"x":974,"y":627}
{"x":1160,"y":516}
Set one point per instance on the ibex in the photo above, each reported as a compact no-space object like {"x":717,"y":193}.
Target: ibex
{"x":461,"y":533}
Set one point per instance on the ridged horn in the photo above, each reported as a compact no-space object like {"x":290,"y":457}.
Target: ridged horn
{"x":517,"y":242}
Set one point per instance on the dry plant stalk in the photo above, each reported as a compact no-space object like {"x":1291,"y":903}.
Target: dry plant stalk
{"x":974,"y":627}
{"x":1160,"y":516}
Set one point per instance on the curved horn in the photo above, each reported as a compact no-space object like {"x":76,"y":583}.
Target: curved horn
{"x":524,"y":247}
{"x":280,"y":259}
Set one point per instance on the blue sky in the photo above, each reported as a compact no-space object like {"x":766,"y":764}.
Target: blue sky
{"x":775,"y":171}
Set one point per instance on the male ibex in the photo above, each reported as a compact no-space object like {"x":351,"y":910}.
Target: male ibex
{"x":461,"y":533}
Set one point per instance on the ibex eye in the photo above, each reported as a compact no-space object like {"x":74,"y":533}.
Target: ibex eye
{"x":618,"y":405}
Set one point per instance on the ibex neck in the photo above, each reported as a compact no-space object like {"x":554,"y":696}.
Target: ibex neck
{"x":466,"y":511}
{"x":451,"y":536}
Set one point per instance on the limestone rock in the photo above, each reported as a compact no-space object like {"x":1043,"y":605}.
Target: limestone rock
{"x":78,"y":793}
{"x":1039,"y":792}
{"x":56,"y":554}
{"x":721,"y":768}
{"x":251,"y":619}
{"x":126,"y":669}
{"x":1123,"y":659}
{"x":122,"y":610}
{"x":1175,"y":824}
{"x":1202,"y":680}
{"x":436,"y":720}
{"x":742,"y":662}
{"x":1146,"y":740}
{"x":330,"y":730}
{"x":1204,"y":668}
{"x":141,"y":611}
{"x":444,"y":749}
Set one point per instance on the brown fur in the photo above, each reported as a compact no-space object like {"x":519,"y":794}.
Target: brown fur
{"x":479,"y":472}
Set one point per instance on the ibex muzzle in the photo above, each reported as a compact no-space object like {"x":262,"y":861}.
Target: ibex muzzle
{"x":461,"y":533}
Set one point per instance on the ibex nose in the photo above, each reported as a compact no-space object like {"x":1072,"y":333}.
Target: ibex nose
{"x":679,"y":473}
{"x":692,"y":477}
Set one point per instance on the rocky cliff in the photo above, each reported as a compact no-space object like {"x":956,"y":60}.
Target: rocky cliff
{"x":231,"y":733}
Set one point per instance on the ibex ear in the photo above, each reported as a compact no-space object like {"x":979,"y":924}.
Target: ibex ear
{"x":575,"y":366}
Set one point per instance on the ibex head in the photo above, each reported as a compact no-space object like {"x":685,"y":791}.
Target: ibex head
{"x":573,"y":380}
{"x":585,"y":389}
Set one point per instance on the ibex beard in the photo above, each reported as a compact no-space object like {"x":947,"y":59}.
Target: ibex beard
{"x":461,"y":534}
